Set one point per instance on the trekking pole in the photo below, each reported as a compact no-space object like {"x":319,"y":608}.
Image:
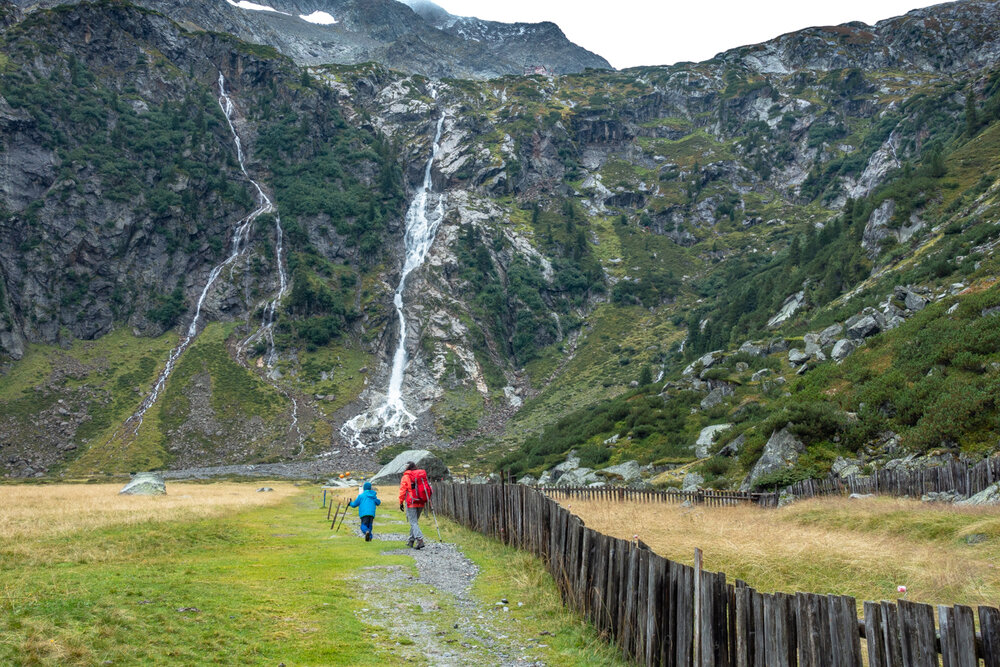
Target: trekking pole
{"x":342,"y":517}
{"x":334,"y":514}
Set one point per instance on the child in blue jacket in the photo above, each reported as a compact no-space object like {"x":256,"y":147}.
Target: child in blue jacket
{"x":366,"y":502}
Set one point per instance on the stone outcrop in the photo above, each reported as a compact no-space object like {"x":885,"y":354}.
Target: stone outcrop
{"x":392,"y":472}
{"x":780,"y":453}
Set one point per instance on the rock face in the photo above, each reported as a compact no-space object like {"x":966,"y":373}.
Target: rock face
{"x":392,"y":472}
{"x":781,"y":452}
{"x":421,"y":38}
{"x":145,"y":484}
{"x":716,"y":396}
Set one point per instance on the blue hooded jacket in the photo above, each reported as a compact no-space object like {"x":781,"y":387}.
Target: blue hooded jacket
{"x":366,"y":501}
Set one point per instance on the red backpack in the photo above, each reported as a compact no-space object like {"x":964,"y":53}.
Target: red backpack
{"x":420,"y":488}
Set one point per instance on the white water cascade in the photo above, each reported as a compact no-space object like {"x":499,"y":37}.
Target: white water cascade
{"x":423,"y":218}
{"x":240,"y":233}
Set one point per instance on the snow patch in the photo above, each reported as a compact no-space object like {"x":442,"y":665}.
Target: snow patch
{"x":319,"y":18}
{"x":246,"y":4}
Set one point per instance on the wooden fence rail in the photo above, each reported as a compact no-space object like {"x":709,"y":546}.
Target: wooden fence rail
{"x":955,"y":476}
{"x":698,"y":496}
{"x":659,"y":612}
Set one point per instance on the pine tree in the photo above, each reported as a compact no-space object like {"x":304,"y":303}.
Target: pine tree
{"x":971,"y":114}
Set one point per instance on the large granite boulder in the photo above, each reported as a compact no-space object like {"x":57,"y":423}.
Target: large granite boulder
{"x":145,"y":484}
{"x":781,"y":452}
{"x":988,"y":496}
{"x":829,"y":335}
{"x":842,"y":349}
{"x":716,"y":396}
{"x":866,"y":323}
{"x":392,"y":472}
{"x":577,"y":477}
{"x":707,"y":437}
{"x":626,"y":473}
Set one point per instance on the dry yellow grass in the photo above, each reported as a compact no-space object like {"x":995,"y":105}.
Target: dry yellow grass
{"x":28,"y":512}
{"x":860,"y":548}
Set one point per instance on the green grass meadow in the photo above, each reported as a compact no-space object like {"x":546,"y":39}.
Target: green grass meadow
{"x":267,"y":586}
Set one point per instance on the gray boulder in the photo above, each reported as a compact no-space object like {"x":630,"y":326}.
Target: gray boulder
{"x":813,"y":347}
{"x":572,"y":462}
{"x":785,"y":499}
{"x":627,"y":472}
{"x":865,"y":324}
{"x":988,"y":496}
{"x":577,"y":477}
{"x":990,"y":311}
{"x":845,"y":467}
{"x":716,"y":396}
{"x":914,"y":301}
{"x":940,"y":497}
{"x":752,"y":349}
{"x":777,"y":345}
{"x":781,"y":452}
{"x":392,"y":472}
{"x":545,"y":479}
{"x":829,"y":335}
{"x":527,"y":480}
{"x":759,"y":375}
{"x":707,"y":361}
{"x":860,"y":496}
{"x":797,"y":356}
{"x":692,"y":481}
{"x":707,"y":437}
{"x":145,"y":484}
{"x":842,"y":349}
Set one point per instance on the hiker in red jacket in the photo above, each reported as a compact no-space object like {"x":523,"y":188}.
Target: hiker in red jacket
{"x":414,"y":494}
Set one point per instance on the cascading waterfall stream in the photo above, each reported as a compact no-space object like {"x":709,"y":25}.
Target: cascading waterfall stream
{"x":240,"y":233}
{"x":422,"y":222}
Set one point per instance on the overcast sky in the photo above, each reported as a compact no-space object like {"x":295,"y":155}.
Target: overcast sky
{"x":662,"y":32}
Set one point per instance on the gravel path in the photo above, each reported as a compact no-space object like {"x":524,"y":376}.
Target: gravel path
{"x":432,"y":617}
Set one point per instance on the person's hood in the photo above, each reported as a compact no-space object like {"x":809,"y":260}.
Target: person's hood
{"x":368,"y":486}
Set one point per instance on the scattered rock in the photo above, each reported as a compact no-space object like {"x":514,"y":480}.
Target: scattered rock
{"x":990,"y":311}
{"x":527,"y":480}
{"x":264,"y":489}
{"x":716,"y":396}
{"x":797,"y":356}
{"x":845,"y":467}
{"x":829,"y":335}
{"x":752,"y":349}
{"x":785,"y":499}
{"x":975,"y":538}
{"x":777,"y":345}
{"x":865,"y":324}
{"x":706,"y":361}
{"x":733,"y":448}
{"x":692,"y":481}
{"x":145,"y":484}
{"x":860,"y":496}
{"x":812,"y":344}
{"x":756,"y":377}
{"x":627,"y":472}
{"x":941,"y":497}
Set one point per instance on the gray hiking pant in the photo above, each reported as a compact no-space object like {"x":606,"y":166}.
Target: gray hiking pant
{"x":413,"y":515}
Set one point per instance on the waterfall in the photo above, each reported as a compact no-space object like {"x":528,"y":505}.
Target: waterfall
{"x":392,"y":418}
{"x":241,"y":231}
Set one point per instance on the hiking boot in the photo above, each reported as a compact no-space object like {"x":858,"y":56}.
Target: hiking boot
{"x":368,"y":537}
{"x":419,"y":544}
{"x":409,"y":543}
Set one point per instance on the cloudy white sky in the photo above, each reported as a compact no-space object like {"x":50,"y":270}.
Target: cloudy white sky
{"x":661,"y":32}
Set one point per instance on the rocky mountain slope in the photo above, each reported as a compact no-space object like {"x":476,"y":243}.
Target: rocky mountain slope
{"x":622,"y":259}
{"x":423,"y":40}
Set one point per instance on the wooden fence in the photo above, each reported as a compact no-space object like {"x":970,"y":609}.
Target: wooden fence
{"x":955,"y":476}
{"x":659,"y":612}
{"x":698,"y":496}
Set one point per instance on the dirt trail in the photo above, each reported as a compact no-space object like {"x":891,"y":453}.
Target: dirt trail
{"x":432,"y":618}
